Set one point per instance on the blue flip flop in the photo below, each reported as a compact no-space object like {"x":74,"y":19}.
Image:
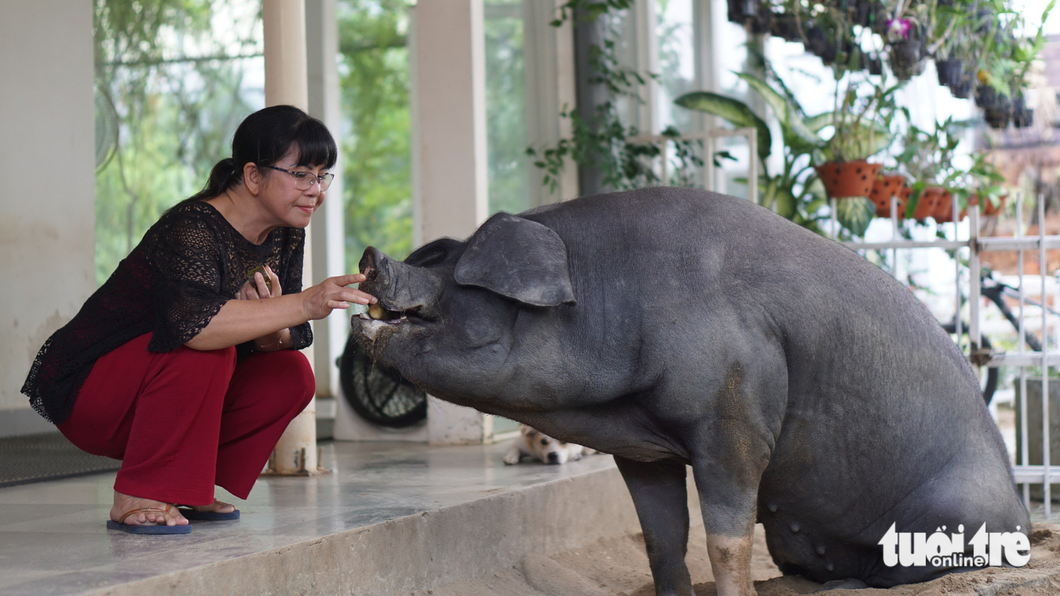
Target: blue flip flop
{"x":193,"y":515}
{"x":121,"y":526}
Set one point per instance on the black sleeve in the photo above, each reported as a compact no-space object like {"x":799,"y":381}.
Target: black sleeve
{"x":187,"y":258}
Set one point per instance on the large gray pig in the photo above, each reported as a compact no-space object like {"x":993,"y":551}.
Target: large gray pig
{"x":671,"y":327}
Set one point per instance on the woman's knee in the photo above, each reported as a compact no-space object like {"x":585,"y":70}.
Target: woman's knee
{"x":289,"y":373}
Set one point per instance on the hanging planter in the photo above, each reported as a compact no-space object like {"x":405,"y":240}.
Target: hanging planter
{"x":1022,"y":116}
{"x":848,"y":179}
{"x":999,"y":116}
{"x":762,"y":22}
{"x":885,"y":187}
{"x":951,"y":72}
{"x":997,"y":108}
{"x":928,"y":202}
{"x":820,"y":43}
{"x":742,"y":10}
{"x":943,"y":212}
{"x":786,"y":27}
{"x":987,"y":207}
{"x":962,"y":89}
{"x":906,"y":58}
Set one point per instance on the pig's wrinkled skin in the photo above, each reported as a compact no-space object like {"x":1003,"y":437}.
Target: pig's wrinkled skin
{"x":668,"y":327}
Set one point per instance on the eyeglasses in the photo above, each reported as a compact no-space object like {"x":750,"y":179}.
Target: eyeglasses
{"x":306,"y":180}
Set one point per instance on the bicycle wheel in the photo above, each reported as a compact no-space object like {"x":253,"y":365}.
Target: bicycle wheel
{"x":988,"y":376}
{"x":379,"y":393}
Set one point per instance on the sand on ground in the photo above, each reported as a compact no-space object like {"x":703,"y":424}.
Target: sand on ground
{"x":619,"y":567}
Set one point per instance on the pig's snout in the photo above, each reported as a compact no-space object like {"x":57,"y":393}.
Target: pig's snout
{"x":402,"y":290}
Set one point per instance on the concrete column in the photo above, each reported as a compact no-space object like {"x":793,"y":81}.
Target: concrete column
{"x":286,"y":82}
{"x":449,"y":154}
{"x":47,"y":221}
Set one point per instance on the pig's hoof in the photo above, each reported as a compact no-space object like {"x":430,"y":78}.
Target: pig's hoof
{"x":841,"y":584}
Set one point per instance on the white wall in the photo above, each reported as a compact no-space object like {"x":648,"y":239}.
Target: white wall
{"x":47,"y":186}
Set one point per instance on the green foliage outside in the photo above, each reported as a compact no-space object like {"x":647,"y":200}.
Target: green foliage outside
{"x":175,"y":116}
{"x":374,"y":78}
{"x":505,"y":106}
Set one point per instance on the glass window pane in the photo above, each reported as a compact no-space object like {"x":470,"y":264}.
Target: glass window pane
{"x":675,"y":38}
{"x":164,"y":114}
{"x":506,"y":106}
{"x":374,"y":140}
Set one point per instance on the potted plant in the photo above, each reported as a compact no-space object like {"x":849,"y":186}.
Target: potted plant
{"x":905,"y":37}
{"x":793,"y":191}
{"x":861,"y":128}
{"x":927,"y":157}
{"x":885,"y":187}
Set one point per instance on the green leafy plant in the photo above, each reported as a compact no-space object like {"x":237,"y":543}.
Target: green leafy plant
{"x":794,"y":191}
{"x":602,"y":140}
{"x":861,"y":122}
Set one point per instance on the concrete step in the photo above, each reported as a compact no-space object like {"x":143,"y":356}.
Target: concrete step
{"x":392,"y":518}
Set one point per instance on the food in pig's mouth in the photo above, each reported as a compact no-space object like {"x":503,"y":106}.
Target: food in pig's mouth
{"x":377,"y":312}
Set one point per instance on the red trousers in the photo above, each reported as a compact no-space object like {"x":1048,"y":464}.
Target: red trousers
{"x":186,"y":420}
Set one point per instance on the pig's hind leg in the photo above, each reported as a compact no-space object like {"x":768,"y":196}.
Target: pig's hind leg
{"x":660,"y":495}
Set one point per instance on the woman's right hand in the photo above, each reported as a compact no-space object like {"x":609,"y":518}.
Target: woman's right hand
{"x":318,"y":301}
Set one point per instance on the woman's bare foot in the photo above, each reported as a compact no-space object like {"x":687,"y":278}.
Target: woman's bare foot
{"x":157,"y":516}
{"x":216,"y":507}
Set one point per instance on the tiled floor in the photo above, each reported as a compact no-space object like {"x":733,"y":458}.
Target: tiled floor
{"x":53,"y":539}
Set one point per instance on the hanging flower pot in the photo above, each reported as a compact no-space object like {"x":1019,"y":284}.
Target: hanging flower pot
{"x":762,"y":22}
{"x":962,"y":89}
{"x":885,"y":187}
{"x":998,"y":116}
{"x":929,"y":200}
{"x":848,"y":179}
{"x":950,"y":71}
{"x":1022,"y":116}
{"x":987,"y":207}
{"x":943,"y":212}
{"x":742,"y":10}
{"x":906,"y":59}
{"x":786,"y":27}
{"x":820,"y":43}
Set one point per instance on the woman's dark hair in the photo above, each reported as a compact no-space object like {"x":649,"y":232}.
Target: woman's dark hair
{"x":263,"y":138}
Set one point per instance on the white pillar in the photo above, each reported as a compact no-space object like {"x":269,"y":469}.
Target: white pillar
{"x":286,"y":82}
{"x":449,"y":155}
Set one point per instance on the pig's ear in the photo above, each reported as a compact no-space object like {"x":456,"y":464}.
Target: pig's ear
{"x":519,"y":259}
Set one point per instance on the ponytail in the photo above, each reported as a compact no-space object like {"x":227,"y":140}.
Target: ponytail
{"x":222,"y":177}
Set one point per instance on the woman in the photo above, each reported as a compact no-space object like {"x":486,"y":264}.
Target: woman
{"x":182,"y":364}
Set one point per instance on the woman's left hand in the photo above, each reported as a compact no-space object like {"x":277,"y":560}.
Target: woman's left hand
{"x":256,"y":288}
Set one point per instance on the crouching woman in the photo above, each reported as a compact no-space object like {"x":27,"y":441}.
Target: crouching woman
{"x":184,"y":364}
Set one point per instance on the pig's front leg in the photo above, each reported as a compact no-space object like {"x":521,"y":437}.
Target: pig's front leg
{"x":660,"y":495}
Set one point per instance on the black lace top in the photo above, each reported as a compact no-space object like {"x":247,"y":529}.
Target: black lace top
{"x":186,"y":267}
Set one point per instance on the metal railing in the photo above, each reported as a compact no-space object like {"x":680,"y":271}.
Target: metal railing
{"x":1025,"y":473}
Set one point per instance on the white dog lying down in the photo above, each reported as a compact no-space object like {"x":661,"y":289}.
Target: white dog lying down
{"x":539,"y":446}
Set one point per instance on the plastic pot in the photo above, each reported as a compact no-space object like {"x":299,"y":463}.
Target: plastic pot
{"x":885,"y":187}
{"x":848,"y":179}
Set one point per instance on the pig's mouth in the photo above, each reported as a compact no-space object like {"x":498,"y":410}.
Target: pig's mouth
{"x":378,"y":312}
